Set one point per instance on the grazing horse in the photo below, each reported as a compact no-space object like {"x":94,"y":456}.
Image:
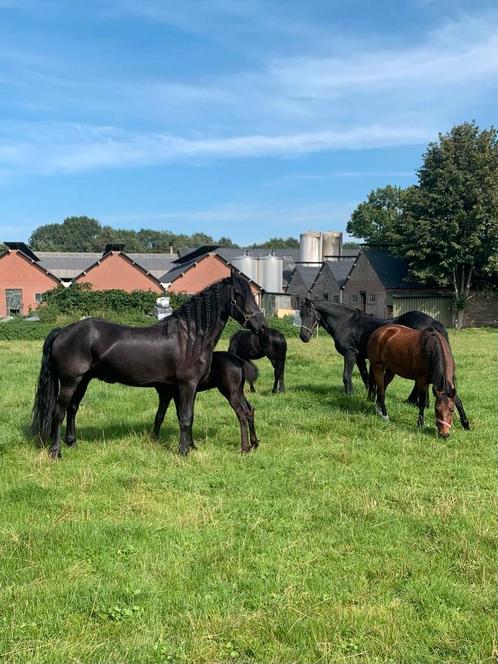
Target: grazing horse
{"x":228,"y":373}
{"x":270,"y":343}
{"x":424,"y":356}
{"x":176,"y":352}
{"x":351,"y":329}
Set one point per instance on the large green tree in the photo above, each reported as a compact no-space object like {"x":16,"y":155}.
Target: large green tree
{"x":74,"y":234}
{"x":376,"y":220}
{"x":449,"y":226}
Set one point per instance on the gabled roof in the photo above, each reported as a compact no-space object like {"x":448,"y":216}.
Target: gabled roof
{"x":103,"y":258}
{"x":391,"y":270}
{"x":339,"y":269}
{"x":70,"y":264}
{"x":308,"y":273}
{"x":186,"y":255}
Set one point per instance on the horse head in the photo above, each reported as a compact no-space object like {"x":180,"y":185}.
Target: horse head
{"x":309,"y":320}
{"x":243,"y":306}
{"x":444,"y":407}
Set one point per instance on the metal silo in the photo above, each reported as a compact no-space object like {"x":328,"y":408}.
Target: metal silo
{"x":271,"y":273}
{"x":309,"y":247}
{"x":331,"y":246}
{"x":247,"y":265}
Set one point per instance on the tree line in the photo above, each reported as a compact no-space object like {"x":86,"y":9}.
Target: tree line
{"x":86,"y":234}
{"x":446,"y":225}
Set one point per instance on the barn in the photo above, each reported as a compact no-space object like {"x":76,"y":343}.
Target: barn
{"x":23,"y":280}
{"x":378,"y":283}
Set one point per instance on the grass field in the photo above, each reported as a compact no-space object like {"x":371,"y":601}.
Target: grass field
{"x":341,"y":539}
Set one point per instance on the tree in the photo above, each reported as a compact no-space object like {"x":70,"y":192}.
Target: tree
{"x":278,"y":243}
{"x":74,"y":234}
{"x":449,"y":228}
{"x":376,"y":220}
{"x":227,"y":243}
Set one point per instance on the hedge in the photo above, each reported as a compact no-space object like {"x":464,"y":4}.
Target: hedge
{"x":21,"y":330}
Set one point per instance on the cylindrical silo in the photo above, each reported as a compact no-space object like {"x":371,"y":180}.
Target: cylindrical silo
{"x":309,"y":247}
{"x":331,"y":246}
{"x":248,"y":265}
{"x":271,"y":273}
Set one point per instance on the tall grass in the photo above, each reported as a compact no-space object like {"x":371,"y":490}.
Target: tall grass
{"x":341,"y":539}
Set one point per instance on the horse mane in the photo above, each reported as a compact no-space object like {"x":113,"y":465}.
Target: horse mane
{"x":432,"y":343}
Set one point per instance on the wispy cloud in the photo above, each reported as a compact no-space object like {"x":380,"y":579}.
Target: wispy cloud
{"x":366,"y":97}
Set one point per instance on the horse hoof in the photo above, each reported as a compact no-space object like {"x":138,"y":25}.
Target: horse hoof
{"x":70,"y":442}
{"x":255,"y":445}
{"x":55,"y":454}
{"x":183,"y":452}
{"x":466,"y":425}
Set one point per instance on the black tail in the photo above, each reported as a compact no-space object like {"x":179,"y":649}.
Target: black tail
{"x":250,"y":370}
{"x":47,"y":391}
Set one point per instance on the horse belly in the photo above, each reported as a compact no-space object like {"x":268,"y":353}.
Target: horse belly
{"x":134,"y":369}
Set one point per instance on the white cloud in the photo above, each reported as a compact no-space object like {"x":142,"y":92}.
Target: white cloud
{"x":367,"y":97}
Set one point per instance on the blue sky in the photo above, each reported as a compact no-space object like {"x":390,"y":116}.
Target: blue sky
{"x":246,"y":118}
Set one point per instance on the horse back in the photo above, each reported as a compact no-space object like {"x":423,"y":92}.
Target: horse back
{"x":399,"y":349}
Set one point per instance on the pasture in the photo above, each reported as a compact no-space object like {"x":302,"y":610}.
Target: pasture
{"x":341,"y":539}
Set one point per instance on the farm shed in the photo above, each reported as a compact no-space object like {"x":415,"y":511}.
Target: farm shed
{"x":23,"y":280}
{"x":300,"y":283}
{"x":378,"y":284}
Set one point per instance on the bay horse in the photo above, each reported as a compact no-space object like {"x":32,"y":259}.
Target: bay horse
{"x":351,"y":329}
{"x":228,"y":373}
{"x":270,"y":343}
{"x":176,"y":352}
{"x":424,"y":356}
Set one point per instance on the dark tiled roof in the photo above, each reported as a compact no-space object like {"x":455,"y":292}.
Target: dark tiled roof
{"x":176,"y":271}
{"x":339,"y":269}
{"x":308,"y":273}
{"x":391,"y":270}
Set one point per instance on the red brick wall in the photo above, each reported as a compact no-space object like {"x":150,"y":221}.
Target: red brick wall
{"x":208,"y":270}
{"x":116,"y":271}
{"x":17,"y":271}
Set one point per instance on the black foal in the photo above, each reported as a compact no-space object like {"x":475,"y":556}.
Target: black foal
{"x":228,"y":373}
{"x":270,"y":343}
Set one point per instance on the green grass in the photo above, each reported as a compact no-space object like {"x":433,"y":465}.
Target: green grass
{"x":341,"y":539}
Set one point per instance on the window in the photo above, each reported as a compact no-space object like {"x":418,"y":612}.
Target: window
{"x":371,"y":298}
{"x":325,"y":296}
{"x":336,"y":299}
{"x":38,"y":298}
{"x":355,"y":299}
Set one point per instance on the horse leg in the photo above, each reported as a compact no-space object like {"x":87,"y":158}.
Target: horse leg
{"x":388,"y":376}
{"x":184,"y":400}
{"x":65,"y":395}
{"x":379,"y":373}
{"x":251,"y":387}
{"x":252,"y":429}
{"x":72,"y":410}
{"x":422,"y":401}
{"x":240,"y":411}
{"x":278,"y":373}
{"x":349,"y":362}
{"x":164,"y":399}
{"x":362,"y":366}
{"x":463,"y":416}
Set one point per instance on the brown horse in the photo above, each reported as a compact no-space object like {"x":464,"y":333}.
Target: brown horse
{"x":420,"y":355}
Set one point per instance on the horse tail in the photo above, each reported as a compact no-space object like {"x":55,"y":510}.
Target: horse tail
{"x":439,"y":327}
{"x":47,"y":392}
{"x":251,"y":373}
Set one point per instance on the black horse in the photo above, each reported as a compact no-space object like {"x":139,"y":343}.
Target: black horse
{"x":175,"y":352}
{"x":351,"y":329}
{"x":270,"y":343}
{"x":228,"y":373}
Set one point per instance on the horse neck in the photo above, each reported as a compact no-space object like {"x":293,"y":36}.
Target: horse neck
{"x":332,"y":317}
